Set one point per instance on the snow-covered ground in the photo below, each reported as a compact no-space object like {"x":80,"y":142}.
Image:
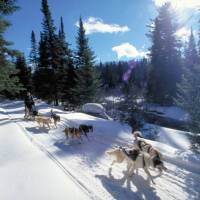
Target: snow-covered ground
{"x":63,"y":165}
{"x":28,"y":173}
{"x":172,"y":112}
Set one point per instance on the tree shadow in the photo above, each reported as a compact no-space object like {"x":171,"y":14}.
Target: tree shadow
{"x":37,"y":130}
{"x":11,"y":104}
{"x":4,"y":122}
{"x":105,"y":134}
{"x":2,"y":113}
{"x":191,"y":182}
{"x":135,"y":187}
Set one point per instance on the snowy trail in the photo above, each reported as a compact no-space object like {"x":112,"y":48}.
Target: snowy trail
{"x":90,"y":167}
{"x":27,"y":173}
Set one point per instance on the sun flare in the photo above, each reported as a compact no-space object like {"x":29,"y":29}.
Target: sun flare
{"x":180,"y":4}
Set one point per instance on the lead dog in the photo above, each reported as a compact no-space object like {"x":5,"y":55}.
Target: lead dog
{"x":143,"y":160}
{"x":85,"y":129}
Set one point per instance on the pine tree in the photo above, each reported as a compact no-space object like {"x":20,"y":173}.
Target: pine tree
{"x":188,"y":94}
{"x":191,"y":54}
{"x":33,"y":56}
{"x":198,"y":48}
{"x":49,"y":59}
{"x":165,"y":70}
{"x":23,"y":73}
{"x":9,"y":84}
{"x":67,"y":73}
{"x":42,"y":77}
{"x":87,"y":77}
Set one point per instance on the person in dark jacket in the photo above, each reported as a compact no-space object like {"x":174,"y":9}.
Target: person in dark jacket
{"x":29,"y":103}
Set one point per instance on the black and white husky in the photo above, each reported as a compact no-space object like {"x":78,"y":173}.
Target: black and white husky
{"x":142,"y":160}
{"x":144,"y":146}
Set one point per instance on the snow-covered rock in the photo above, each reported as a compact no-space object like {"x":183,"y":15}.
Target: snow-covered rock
{"x":93,"y":108}
{"x":96,"y":109}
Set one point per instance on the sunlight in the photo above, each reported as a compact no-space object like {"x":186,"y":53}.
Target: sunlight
{"x":180,"y":4}
{"x":183,"y":33}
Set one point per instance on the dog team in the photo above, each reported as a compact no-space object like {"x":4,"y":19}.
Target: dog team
{"x":140,"y":155}
{"x":69,"y":131}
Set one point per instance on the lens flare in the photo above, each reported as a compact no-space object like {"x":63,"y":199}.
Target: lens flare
{"x":127,"y":74}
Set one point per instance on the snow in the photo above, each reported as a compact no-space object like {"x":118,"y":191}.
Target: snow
{"x":172,"y":112}
{"x":93,"y":108}
{"x":176,"y":138}
{"x":26,"y":172}
{"x":86,"y":165}
{"x":115,"y":99}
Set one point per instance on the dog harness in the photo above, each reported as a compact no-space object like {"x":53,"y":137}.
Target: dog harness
{"x":148,"y":150}
{"x":133,"y":154}
{"x":143,"y":161}
{"x":140,"y":144}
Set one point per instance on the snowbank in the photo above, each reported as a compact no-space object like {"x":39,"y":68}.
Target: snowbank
{"x":172,"y":112}
{"x":93,"y":108}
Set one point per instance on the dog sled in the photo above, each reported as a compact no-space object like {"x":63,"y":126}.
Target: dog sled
{"x":30,"y":113}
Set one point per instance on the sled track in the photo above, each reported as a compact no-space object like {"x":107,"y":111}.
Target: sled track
{"x":57,"y":162}
{"x":175,"y":178}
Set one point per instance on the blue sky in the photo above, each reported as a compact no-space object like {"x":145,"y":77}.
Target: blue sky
{"x":116,"y":28}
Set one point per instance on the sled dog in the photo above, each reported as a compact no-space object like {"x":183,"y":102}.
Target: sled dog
{"x":72,"y":132}
{"x":41,"y":120}
{"x":55,"y":117}
{"x":155,"y":155}
{"x":84,"y":129}
{"x":142,"y":160}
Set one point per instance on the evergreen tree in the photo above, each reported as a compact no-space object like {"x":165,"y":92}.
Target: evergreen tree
{"x":198,"y":48}
{"x":165,"y":70}
{"x":67,"y":73}
{"x":120,"y":72}
{"x":139,"y":74}
{"x":42,"y":77}
{"x":49,"y":59}
{"x":87,"y":77}
{"x":23,"y":73}
{"x":33,"y":56}
{"x":9,"y":84}
{"x":188,"y":95}
{"x":191,"y":54}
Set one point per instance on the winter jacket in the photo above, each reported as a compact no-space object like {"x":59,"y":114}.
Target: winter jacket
{"x":28,"y":101}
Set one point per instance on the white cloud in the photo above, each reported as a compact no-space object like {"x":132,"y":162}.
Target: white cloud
{"x":96,"y":25}
{"x":129,"y":51}
{"x":180,"y":4}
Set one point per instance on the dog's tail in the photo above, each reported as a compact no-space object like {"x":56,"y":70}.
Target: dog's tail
{"x":111,"y":151}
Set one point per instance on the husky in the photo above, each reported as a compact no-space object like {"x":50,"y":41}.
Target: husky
{"x":142,"y":145}
{"x":73,"y":132}
{"x":137,"y":134}
{"x":55,"y":117}
{"x":85,"y":129}
{"x":142,"y":160}
{"x":41,"y":120}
